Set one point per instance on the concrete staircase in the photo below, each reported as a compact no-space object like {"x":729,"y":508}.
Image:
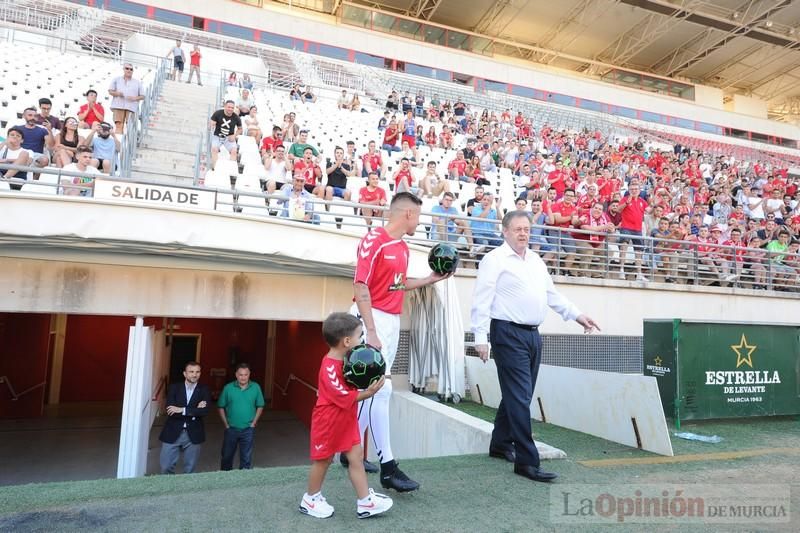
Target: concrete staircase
{"x":167,"y":152}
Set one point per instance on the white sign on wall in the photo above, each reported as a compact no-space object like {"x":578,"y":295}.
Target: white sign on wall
{"x":160,"y":195}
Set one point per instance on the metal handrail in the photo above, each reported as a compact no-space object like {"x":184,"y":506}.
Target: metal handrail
{"x":684,"y":262}
{"x":285,"y":389}
{"x":17,"y":395}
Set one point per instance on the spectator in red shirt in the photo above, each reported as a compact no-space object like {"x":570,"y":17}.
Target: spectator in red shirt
{"x":372,"y":194}
{"x":446,"y":139}
{"x":270,"y":143}
{"x":372,"y":161}
{"x":403,"y":178}
{"x":194,"y":64}
{"x":632,"y":208}
{"x":310,"y":171}
{"x":430,"y":137}
{"x":91,"y":111}
{"x":564,"y":214}
{"x":558,"y":179}
{"x":457,"y":168}
{"x":390,"y":137}
{"x":590,"y":246}
{"x":736,"y":254}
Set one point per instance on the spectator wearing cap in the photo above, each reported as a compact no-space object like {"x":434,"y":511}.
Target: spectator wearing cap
{"x":105,"y":146}
{"x":127,"y":92}
{"x":92,"y":111}
{"x":12,"y":153}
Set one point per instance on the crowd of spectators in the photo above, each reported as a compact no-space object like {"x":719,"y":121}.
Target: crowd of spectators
{"x":603,"y":205}
{"x":87,"y":144}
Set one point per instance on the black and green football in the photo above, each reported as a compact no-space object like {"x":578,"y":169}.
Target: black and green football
{"x":363,"y":365}
{"x":443,"y":258}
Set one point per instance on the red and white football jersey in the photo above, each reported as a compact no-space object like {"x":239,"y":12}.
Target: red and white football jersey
{"x":381,"y":266}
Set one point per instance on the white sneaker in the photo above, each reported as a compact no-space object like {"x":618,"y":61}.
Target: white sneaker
{"x":316,"y":506}
{"x":641,"y":277}
{"x":377,"y":504}
{"x":731,"y":277}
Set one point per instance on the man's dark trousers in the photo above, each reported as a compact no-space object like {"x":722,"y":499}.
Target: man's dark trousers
{"x":517,"y":354}
{"x":237,"y":438}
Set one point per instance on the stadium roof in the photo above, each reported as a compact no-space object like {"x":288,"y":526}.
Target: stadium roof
{"x":749,"y":47}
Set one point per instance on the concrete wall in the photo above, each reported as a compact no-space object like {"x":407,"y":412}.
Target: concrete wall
{"x":424,"y":428}
{"x":318,"y":28}
{"x":747,"y":105}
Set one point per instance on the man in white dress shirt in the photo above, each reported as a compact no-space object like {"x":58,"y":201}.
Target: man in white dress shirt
{"x":510,"y":301}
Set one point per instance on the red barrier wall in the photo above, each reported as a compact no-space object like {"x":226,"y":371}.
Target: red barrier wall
{"x":299,"y":348}
{"x":24,"y":341}
{"x":96,"y":350}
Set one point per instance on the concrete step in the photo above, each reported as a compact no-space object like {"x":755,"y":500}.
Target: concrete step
{"x":170,"y":159}
{"x":185,"y":91}
{"x":186,"y":106}
{"x":166,"y":179}
{"x":165,"y":131}
{"x":165,"y":169}
{"x":178,"y":124}
{"x":156,"y":155}
{"x":168,"y":145}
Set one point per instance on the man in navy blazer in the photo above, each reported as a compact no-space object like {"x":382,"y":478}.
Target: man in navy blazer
{"x":187,"y":403}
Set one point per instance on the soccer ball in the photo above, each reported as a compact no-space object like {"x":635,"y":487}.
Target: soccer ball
{"x":443,"y":258}
{"x":363,"y":365}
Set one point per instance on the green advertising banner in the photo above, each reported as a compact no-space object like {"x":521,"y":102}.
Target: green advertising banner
{"x":723,"y":370}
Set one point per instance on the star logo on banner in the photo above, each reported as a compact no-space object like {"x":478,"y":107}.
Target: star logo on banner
{"x":744,"y":352}
{"x":658,"y":361}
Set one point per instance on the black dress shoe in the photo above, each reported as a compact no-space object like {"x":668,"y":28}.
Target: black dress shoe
{"x":508,"y":455}
{"x":534,"y":473}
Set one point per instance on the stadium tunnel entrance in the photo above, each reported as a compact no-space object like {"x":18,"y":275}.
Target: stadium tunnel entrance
{"x":63,"y":389}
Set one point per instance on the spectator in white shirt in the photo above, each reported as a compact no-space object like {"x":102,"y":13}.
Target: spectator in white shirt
{"x":83,"y":185}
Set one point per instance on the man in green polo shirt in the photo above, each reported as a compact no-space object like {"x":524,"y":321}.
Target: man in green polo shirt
{"x":297,"y":148}
{"x":240,"y":406}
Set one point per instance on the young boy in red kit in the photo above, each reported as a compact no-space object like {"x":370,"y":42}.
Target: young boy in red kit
{"x":334,"y":423}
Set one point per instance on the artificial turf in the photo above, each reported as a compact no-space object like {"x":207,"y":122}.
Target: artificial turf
{"x":464,"y":493}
